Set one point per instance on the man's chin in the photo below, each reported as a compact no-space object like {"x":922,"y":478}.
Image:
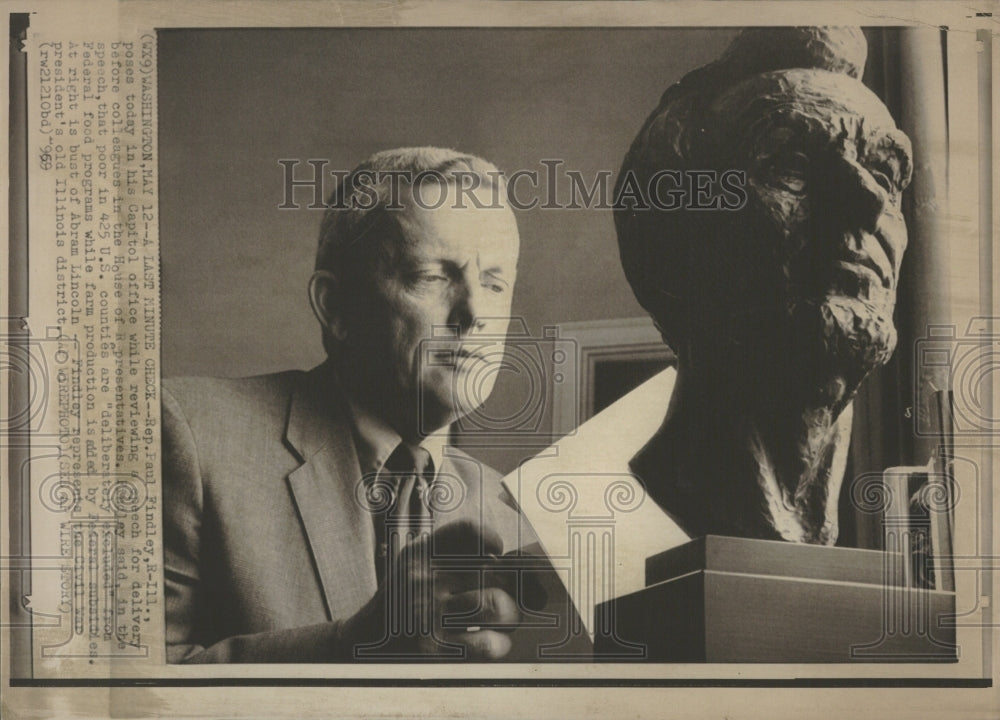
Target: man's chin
{"x":854,"y":336}
{"x":439,"y":412}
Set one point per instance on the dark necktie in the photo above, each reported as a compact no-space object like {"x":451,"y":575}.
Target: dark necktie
{"x":409,"y":471}
{"x":403,"y":517}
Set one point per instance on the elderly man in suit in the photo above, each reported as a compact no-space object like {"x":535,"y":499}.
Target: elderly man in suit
{"x":298,"y":505}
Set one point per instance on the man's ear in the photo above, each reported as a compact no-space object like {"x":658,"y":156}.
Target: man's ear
{"x":325,"y":297}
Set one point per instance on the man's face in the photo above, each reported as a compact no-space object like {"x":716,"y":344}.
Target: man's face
{"x":823,"y":227}
{"x":447,"y":278}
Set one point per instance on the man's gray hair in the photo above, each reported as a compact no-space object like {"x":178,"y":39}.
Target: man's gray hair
{"x":356,"y":210}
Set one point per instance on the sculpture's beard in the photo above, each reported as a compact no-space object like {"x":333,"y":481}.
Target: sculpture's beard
{"x":786,"y":310}
{"x":836,"y":341}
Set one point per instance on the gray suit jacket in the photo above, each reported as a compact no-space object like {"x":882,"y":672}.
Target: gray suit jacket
{"x":267,"y":549}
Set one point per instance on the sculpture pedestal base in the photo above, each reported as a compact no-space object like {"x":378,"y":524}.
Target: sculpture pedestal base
{"x":723,"y":599}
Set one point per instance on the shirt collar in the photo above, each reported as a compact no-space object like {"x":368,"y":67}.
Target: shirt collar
{"x":435,"y":444}
{"x":376,"y":440}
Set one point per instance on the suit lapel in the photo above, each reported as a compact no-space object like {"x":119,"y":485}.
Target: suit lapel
{"x":339,"y":530}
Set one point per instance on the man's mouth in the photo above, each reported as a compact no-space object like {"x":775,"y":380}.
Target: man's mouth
{"x":858,"y":280}
{"x":866,"y":256}
{"x":457,"y":357}
{"x":474,"y":355}
{"x":853,"y":264}
{"x":864,"y":270}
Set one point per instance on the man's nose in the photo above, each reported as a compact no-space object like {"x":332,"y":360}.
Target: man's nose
{"x":861,"y":198}
{"x":466,"y":308}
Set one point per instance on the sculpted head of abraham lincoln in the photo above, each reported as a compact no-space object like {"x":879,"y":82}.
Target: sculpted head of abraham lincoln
{"x":779,"y":308}
{"x":809,"y":265}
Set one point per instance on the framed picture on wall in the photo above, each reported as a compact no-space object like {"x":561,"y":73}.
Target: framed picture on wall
{"x":614,"y":357}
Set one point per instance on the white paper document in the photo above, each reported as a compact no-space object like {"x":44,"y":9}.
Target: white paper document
{"x":592,"y":516}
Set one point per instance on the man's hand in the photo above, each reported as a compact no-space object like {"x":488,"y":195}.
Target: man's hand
{"x":437,"y":610}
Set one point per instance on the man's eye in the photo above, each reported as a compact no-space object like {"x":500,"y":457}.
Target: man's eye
{"x":494,"y":284}
{"x":790,"y":181}
{"x":427,"y":280}
{"x":432,"y":278}
{"x":790,"y":173}
{"x":884,"y":181}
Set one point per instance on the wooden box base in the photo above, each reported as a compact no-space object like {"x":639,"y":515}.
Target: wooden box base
{"x":738,"y":600}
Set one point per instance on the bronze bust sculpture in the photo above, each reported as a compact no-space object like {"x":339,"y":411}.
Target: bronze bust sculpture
{"x":778,"y":307}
